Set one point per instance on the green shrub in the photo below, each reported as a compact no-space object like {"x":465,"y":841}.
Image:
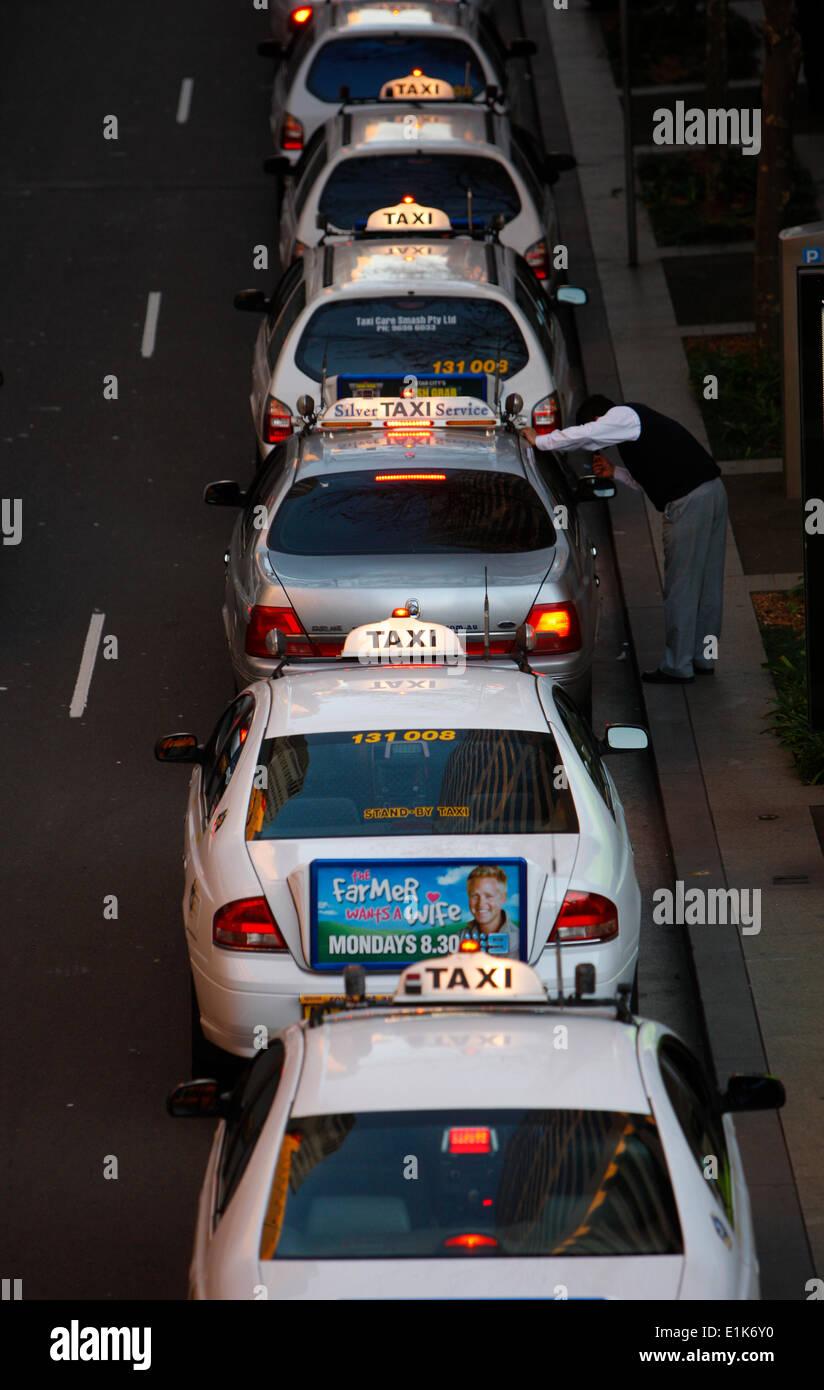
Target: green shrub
{"x":745,"y":421}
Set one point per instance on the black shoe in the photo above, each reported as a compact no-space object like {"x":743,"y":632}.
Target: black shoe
{"x":704,"y":670}
{"x":659,"y":677}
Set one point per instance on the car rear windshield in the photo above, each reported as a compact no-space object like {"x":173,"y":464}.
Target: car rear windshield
{"x":444,"y":1184}
{"x":454,"y":335}
{"x":364,"y":63}
{"x":387,"y":512}
{"x":358,"y":186}
{"x":410,"y":782}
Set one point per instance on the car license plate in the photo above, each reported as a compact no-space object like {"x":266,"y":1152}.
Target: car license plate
{"x":336,"y":1002}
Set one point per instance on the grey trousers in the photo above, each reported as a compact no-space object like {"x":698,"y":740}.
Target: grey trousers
{"x":695,"y":534}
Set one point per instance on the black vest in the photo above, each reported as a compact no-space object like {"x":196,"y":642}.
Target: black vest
{"x":665,"y":459}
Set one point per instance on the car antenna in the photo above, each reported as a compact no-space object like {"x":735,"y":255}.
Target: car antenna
{"x":323,"y":400}
{"x":486,"y":613}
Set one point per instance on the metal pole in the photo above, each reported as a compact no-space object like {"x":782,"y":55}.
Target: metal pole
{"x":629,"y":161}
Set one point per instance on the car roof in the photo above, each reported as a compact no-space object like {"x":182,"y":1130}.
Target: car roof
{"x":338,"y":697}
{"x":447,"y":124}
{"x":375,"y":267}
{"x":344,"y":451}
{"x":458,"y":1059}
{"x":395,"y":15}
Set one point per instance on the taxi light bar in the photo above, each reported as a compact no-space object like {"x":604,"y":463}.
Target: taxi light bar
{"x":291,"y":135}
{"x":556,"y":627}
{"x":546,"y":415}
{"x":470,"y":1141}
{"x":410,"y":478}
{"x":263,"y":620}
{"x":585,"y":917}
{"x":247,"y":924}
{"x":378,"y":412}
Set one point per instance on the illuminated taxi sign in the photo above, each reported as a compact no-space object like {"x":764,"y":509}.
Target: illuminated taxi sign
{"x":417,"y":86}
{"x":401,"y":640}
{"x":373,"y":412}
{"x":470,"y":979}
{"x":408,"y":215}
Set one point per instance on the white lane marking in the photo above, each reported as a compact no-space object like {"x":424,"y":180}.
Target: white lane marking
{"x":147,"y":347}
{"x":184,"y":101}
{"x":87,"y":660}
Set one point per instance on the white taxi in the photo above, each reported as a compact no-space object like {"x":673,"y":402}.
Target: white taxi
{"x":462,"y":317}
{"x":463,"y":161}
{"x":391,"y":1152}
{"x":371,"y":807}
{"x":393,"y":50}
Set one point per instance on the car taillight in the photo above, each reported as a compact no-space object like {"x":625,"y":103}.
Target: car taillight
{"x":262,"y":621}
{"x":546,"y":415}
{"x":585,"y":917}
{"x":556,"y":627}
{"x":291,"y":134}
{"x":300,"y":247}
{"x":301,"y":15}
{"x":277,"y":421}
{"x":537,"y":255}
{"x":247,"y":925}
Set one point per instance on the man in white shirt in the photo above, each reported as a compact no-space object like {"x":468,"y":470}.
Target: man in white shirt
{"x":684,"y":482}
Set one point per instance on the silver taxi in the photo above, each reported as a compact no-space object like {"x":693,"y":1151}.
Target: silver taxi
{"x":465,"y":160}
{"x":480,"y":534}
{"x":461,"y":316}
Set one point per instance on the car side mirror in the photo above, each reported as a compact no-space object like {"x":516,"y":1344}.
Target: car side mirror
{"x":745,"y":1092}
{"x":270,"y":49}
{"x":199,"y":1100}
{"x":624,"y":738}
{"x":224,"y":494}
{"x":276,"y":164}
{"x":591,"y":488}
{"x":178,"y":748}
{"x":521,"y":48}
{"x":571,"y":294}
{"x":252,"y":301}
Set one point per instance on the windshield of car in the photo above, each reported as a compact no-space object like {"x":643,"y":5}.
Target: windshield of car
{"x":496,"y":1183}
{"x":358,"y":186}
{"x":388,"y":512}
{"x":448,"y":335}
{"x":410,"y":782}
{"x":365,"y":62}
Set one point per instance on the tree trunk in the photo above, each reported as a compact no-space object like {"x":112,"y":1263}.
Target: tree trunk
{"x":782,"y":56}
{"x":716,"y":96}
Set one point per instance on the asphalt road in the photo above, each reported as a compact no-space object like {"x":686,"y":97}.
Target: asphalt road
{"x":95,"y":1008}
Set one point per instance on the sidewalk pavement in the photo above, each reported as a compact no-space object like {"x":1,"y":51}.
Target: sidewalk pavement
{"x":737,"y":815}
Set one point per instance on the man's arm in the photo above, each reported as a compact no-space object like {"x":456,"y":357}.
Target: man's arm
{"x":618,"y":425}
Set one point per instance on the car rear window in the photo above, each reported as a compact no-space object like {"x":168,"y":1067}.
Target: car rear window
{"x":460,"y":335}
{"x":493,"y":1183}
{"x":358,"y":186}
{"x":387,"y":512}
{"x":410,"y":782}
{"x":364,"y":63}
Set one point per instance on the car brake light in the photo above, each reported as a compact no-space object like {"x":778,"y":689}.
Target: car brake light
{"x":301,"y":15}
{"x":300,"y":247}
{"x":291,"y":134}
{"x":247,"y":925}
{"x":556,"y":627}
{"x":410,"y":477}
{"x":537,"y":256}
{"x":277,"y":421}
{"x":585,"y":917}
{"x":471,"y":1241}
{"x":546,"y":415}
{"x":470,"y":1141}
{"x":263,"y":620}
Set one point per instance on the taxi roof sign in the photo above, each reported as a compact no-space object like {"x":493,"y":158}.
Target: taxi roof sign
{"x":418,"y":87}
{"x":470,"y":979}
{"x":401,"y":640}
{"x":408,"y":215}
{"x":376,"y":412}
